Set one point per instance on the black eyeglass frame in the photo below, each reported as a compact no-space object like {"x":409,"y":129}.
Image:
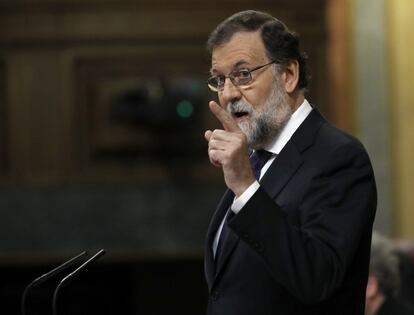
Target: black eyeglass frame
{"x":213,"y":81}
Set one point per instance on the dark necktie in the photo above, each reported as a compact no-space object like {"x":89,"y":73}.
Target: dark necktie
{"x":258,"y":159}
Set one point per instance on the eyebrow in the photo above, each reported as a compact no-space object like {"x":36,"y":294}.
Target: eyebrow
{"x":240,"y":63}
{"x":235,"y":66}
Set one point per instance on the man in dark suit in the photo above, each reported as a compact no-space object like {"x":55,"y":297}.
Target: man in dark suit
{"x":292,"y":233}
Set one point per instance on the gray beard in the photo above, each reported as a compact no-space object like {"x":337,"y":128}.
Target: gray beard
{"x":263,"y":126}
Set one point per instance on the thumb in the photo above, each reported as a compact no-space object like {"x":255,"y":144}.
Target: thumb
{"x":207,"y":135}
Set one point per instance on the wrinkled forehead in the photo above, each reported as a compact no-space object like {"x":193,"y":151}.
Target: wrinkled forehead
{"x":243,"y":49}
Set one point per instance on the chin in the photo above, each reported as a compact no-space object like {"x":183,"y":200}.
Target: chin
{"x":245,"y":126}
{"x":242,"y":120}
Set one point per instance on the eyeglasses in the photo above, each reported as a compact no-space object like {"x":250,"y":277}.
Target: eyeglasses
{"x":237,"y":77}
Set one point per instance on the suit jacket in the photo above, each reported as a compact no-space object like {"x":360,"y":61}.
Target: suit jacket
{"x":301,"y":244}
{"x":392,"y":306}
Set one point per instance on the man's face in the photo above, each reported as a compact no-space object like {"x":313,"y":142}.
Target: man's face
{"x":259,"y":108}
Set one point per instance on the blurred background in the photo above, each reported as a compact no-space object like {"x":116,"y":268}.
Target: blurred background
{"x":103,"y":106}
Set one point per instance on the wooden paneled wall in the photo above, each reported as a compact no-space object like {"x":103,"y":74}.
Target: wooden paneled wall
{"x":60,"y":60}
{"x":3,"y":122}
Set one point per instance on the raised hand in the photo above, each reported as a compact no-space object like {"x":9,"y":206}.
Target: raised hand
{"x":228,"y":149}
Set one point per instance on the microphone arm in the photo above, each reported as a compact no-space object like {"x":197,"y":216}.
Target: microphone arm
{"x":43,"y":278}
{"x":66,"y":280}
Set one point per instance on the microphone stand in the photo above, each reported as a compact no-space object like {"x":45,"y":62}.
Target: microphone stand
{"x":43,"y":278}
{"x":66,"y":280}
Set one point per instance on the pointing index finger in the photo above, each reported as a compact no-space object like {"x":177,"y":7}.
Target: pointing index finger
{"x":224,"y":117}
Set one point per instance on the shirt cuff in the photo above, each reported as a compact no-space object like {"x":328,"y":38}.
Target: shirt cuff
{"x":239,"y":202}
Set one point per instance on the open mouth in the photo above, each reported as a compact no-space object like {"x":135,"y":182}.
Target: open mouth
{"x":240,"y":114}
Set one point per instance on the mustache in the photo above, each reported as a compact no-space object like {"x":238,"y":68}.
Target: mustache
{"x":239,"y":106}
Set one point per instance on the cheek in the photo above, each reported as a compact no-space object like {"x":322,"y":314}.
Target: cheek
{"x":258,"y":97}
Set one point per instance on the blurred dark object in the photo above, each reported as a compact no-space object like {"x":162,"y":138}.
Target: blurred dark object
{"x":160,"y":104}
{"x":154,"y":117}
{"x":405,"y":250}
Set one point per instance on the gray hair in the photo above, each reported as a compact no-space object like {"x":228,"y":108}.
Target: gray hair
{"x":384,"y":264}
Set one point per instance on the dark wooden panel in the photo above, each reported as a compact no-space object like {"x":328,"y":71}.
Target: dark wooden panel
{"x":302,"y":7}
{"x":4,"y":139}
{"x":74,"y":22}
{"x":168,"y":219}
{"x":121,"y":185}
{"x":93,"y":50}
{"x":151,"y":142}
{"x":36,"y":123}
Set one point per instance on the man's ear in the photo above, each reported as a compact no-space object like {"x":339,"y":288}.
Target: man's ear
{"x":372,"y":286}
{"x":290,"y":76}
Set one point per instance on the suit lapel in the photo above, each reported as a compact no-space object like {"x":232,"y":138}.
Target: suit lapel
{"x":228,"y":248}
{"x":209,"y":265}
{"x":281,"y":170}
{"x":290,"y":158}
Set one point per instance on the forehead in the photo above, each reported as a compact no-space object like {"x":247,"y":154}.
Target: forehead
{"x":244,"y":48}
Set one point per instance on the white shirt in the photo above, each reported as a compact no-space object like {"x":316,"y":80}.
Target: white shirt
{"x":275,"y":147}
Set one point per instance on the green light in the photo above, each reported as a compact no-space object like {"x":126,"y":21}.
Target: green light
{"x":185,"y":109}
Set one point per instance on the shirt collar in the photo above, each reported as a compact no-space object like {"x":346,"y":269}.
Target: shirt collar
{"x":289,"y":129}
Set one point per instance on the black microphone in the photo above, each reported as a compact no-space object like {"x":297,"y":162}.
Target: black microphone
{"x":43,"y":278}
{"x":66,"y":280}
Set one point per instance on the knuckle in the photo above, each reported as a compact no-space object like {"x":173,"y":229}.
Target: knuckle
{"x":213,"y":144}
{"x":215,"y":133}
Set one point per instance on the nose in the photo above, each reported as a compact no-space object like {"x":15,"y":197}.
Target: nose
{"x":230,"y":92}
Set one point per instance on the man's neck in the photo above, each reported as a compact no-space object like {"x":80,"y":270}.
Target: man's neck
{"x":296,"y":99}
